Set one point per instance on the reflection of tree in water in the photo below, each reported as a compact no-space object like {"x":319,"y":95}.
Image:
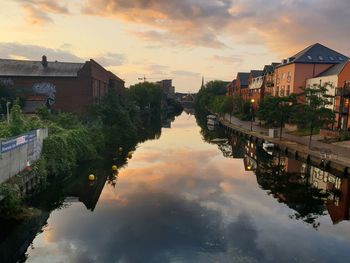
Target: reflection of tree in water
{"x":208,"y":135}
{"x":112,"y":179}
{"x":292,"y":189}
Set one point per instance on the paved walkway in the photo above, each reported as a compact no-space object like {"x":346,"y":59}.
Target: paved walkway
{"x":335,"y":151}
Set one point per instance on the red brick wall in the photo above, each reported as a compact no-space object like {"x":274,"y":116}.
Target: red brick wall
{"x":73,"y":94}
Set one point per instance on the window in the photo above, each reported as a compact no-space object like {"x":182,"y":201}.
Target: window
{"x":331,"y":58}
{"x":320,"y":57}
{"x":288,"y":90}
{"x":309,"y":57}
{"x":340,"y":58}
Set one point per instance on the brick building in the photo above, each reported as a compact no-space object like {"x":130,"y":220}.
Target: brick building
{"x":167,"y":87}
{"x":269,"y":76}
{"x":241,"y":85}
{"x":336,"y":79}
{"x":255,"y":85}
{"x":71,"y":87}
{"x":230,"y":88}
{"x":292,"y":73}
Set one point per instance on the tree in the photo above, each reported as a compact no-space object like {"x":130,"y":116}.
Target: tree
{"x":314,"y":114}
{"x":17,"y":125}
{"x":208,"y":92}
{"x":275,"y":110}
{"x":147,"y":96}
{"x":6,"y":95}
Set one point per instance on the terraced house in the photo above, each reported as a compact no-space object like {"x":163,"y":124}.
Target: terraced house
{"x":337,"y":81}
{"x":291,"y":75}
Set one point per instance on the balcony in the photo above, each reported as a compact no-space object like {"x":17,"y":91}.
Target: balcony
{"x":343,"y":92}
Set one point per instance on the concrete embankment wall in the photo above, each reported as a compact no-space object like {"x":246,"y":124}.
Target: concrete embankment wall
{"x":17,"y":152}
{"x":339,"y":166}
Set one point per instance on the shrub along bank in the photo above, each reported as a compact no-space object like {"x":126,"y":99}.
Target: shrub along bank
{"x":213,"y":97}
{"x":112,"y":124}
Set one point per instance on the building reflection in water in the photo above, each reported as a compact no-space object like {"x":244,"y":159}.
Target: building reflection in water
{"x":309,"y":190}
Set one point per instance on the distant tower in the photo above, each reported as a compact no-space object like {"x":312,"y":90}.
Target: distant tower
{"x":202,"y":87}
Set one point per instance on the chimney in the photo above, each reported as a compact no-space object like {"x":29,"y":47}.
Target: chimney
{"x":44,"y":61}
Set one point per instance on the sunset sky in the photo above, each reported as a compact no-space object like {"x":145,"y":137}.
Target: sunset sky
{"x":179,"y":39}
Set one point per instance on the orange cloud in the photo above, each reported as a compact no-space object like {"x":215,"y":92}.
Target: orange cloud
{"x":37,"y":11}
{"x":284,"y":26}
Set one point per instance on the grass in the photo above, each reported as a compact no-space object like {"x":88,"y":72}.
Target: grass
{"x":305,"y":132}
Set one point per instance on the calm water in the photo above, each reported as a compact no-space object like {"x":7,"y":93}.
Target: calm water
{"x":184,"y":199}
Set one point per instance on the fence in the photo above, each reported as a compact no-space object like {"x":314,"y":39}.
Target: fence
{"x":17,"y":152}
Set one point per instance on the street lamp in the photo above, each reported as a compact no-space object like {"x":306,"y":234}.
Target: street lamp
{"x":251,"y":113}
{"x":8,"y":112}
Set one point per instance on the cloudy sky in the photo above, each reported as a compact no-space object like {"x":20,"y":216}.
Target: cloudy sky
{"x":179,"y":39}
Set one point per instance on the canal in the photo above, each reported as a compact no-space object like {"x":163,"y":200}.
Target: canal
{"x":194,"y":195}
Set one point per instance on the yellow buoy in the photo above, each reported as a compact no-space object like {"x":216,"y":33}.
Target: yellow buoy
{"x":120,"y":149}
{"x":91,"y":177}
{"x":114,"y":168}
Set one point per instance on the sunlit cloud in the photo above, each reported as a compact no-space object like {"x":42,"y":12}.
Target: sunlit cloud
{"x":283,"y":26}
{"x":35,"y":52}
{"x":111,"y":59}
{"x":214,"y":38}
{"x":37,"y":11}
{"x":227,"y":59}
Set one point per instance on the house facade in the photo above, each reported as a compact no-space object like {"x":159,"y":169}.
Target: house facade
{"x":255,"y":84}
{"x":336,"y":80}
{"x":269,"y":77}
{"x":292,"y":73}
{"x":230,"y":88}
{"x":241,"y":85}
{"x":70,"y":87}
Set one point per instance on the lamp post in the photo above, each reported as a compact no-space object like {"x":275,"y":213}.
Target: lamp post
{"x":8,"y":111}
{"x":251,"y":113}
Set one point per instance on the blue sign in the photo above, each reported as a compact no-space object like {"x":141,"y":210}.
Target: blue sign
{"x":18,"y":141}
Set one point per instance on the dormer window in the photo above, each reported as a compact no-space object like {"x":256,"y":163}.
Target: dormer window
{"x":331,"y":58}
{"x":340,"y":58}
{"x":309,"y":57}
{"x":320,"y":57}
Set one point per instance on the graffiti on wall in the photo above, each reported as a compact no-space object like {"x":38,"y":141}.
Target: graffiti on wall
{"x":47,"y":89}
{"x":8,"y":82}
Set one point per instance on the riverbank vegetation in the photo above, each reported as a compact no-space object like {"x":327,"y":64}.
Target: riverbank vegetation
{"x":112,"y":128}
{"x":212,"y":97}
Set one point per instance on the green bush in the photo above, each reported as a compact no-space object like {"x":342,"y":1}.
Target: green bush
{"x":12,"y":199}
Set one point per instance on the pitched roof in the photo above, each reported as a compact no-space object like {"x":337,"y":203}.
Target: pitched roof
{"x":10,"y":67}
{"x":334,"y":70}
{"x":267,"y":69}
{"x":270,"y":68}
{"x":243,"y":78}
{"x":256,"y":73}
{"x":318,"y":54}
